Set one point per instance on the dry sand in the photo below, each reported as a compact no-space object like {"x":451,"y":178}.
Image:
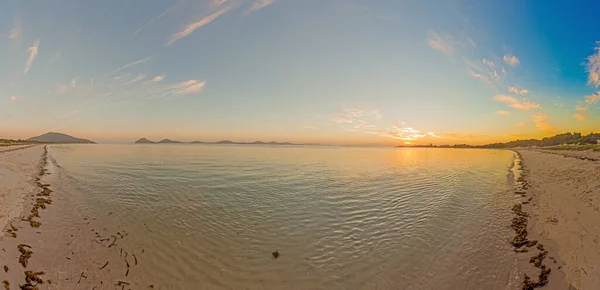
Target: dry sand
{"x":18,"y":167}
{"x":565,"y":215}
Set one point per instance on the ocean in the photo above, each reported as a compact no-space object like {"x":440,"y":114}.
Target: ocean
{"x":210,"y":216}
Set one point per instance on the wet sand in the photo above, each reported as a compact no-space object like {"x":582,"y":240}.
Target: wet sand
{"x":562,"y":201}
{"x":47,"y":247}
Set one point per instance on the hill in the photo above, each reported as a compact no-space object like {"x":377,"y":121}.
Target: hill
{"x":144,"y":141}
{"x":59,"y":138}
{"x":168,"y":141}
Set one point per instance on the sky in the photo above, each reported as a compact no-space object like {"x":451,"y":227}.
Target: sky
{"x":377,"y":72}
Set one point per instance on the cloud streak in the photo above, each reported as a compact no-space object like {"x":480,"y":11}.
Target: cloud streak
{"x":514,"y":103}
{"x":259,"y":4}
{"x":72,"y":113}
{"x":195,"y":25}
{"x":440,"y":43}
{"x":33,"y":52}
{"x":159,"y":16}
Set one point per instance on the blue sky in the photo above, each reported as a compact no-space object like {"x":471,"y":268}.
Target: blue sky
{"x":331,"y":71}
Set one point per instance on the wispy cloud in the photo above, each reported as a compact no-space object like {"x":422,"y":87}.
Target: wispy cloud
{"x":309,"y":127}
{"x":158,"y":79}
{"x":121,"y":68}
{"x":73,"y":82}
{"x":33,"y":52}
{"x":154,"y":19}
{"x":483,"y":71}
{"x":259,"y":4}
{"x":511,"y":60}
{"x":136,"y":79}
{"x":541,"y":122}
{"x":74,"y":112}
{"x":581,"y":107}
{"x":516,"y":90}
{"x":487,"y":62}
{"x":593,"y":99}
{"x":580,"y":117}
{"x":514,"y":103}
{"x":405,"y":133}
{"x":440,"y":43}
{"x":13,"y":99}
{"x":356,"y":119}
{"x":522,"y":124}
{"x":193,"y":26}
{"x":593,"y":67}
{"x":502,"y":113}
{"x":189,"y":87}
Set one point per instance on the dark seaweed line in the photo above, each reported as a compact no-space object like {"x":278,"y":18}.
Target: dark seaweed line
{"x":521,"y":242}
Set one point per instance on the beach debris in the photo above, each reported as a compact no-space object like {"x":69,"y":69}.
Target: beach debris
{"x":5,"y":269}
{"x":81,"y":276}
{"x":275,"y":254}
{"x":113,"y":242}
{"x":12,"y":231}
{"x":135,"y":258}
{"x":30,"y":278}
{"x":104,"y":265}
{"x":6,"y":285}
{"x":25,"y":254}
{"x":553,"y":220}
{"x":538,"y":259}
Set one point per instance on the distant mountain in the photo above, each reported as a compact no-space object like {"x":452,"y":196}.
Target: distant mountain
{"x":167,"y":141}
{"x":53,"y":137}
{"x":197,"y":142}
{"x":144,"y":141}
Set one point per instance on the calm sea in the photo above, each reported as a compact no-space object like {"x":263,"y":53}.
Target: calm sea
{"x":209,"y":217}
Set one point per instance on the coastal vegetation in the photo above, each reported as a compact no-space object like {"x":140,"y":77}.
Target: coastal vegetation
{"x":565,"y":141}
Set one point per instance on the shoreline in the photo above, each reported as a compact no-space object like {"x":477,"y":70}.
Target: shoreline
{"x":559,"y":208}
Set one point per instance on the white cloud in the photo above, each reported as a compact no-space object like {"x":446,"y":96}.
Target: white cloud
{"x":13,"y":99}
{"x":503,"y":113}
{"x":541,"y":122}
{"x":514,"y":103}
{"x":193,"y":26}
{"x":74,"y":112}
{"x":440,"y":43}
{"x":158,"y":79}
{"x":73,"y":82}
{"x":516,"y":90}
{"x":259,"y":4}
{"x":487,"y":62}
{"x":33,"y":52}
{"x":593,"y":67}
{"x":511,"y":60}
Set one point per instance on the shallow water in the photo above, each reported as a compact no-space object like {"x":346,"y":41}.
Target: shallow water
{"x":208,"y":217}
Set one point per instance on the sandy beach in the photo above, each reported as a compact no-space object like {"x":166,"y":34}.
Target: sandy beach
{"x":564,"y":210}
